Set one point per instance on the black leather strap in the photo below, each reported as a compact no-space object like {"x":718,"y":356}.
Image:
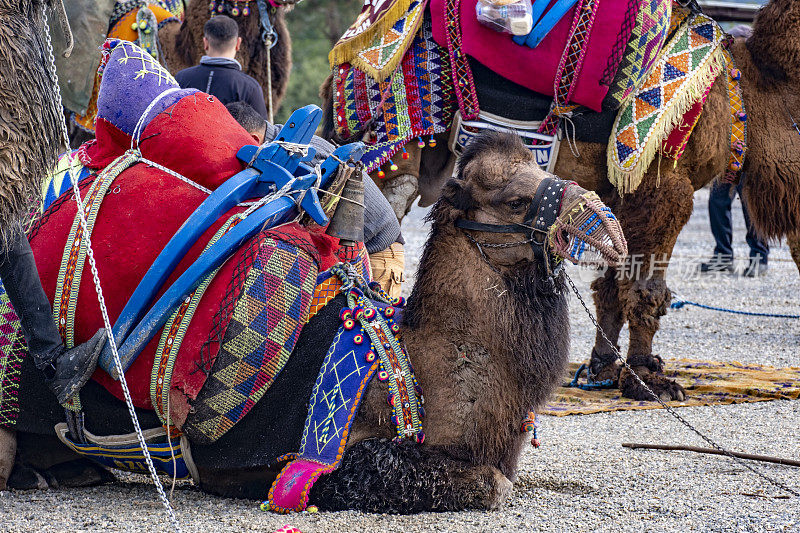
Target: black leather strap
{"x":542,"y":214}
{"x":492,"y":228}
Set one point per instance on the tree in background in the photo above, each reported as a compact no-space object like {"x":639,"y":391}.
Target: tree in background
{"x":315,"y":26}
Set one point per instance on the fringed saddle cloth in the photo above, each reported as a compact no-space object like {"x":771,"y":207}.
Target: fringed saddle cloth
{"x":662,"y":113}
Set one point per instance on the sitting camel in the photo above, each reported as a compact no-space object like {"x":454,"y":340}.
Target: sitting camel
{"x":486,"y":326}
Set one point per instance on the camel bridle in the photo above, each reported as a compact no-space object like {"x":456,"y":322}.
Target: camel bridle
{"x":542,"y":213}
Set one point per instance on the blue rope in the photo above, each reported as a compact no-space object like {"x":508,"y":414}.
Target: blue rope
{"x":590,"y":384}
{"x":680,"y":303}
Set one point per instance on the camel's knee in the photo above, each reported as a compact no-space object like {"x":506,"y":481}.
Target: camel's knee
{"x":645,"y":301}
{"x":401,"y":191}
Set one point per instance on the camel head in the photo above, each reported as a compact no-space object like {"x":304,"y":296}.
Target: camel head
{"x":517,"y":214}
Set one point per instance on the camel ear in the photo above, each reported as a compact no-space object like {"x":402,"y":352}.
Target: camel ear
{"x":457,"y":194}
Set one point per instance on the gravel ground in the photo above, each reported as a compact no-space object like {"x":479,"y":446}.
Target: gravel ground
{"x":581,"y":479}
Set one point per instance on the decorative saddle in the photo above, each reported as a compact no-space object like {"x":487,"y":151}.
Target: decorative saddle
{"x":633,"y":74}
{"x":213,"y":258}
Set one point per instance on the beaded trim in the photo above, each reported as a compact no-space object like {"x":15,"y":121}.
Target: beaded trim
{"x":738,"y":128}
{"x":571,"y":64}
{"x":405,"y":395}
{"x":72,"y":262}
{"x":462,"y":73}
{"x":172,"y":336}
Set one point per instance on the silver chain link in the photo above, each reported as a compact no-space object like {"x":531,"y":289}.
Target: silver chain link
{"x":100,"y":298}
{"x":669,"y":409}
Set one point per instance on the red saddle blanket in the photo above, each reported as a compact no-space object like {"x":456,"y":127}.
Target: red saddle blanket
{"x":535,"y":68}
{"x":144,"y":207}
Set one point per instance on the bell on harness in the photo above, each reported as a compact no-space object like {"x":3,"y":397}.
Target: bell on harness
{"x":347,"y":223}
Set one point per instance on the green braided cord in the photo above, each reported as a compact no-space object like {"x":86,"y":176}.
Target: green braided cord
{"x":103,"y":181}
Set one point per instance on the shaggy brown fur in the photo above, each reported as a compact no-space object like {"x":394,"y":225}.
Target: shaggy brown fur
{"x":794,"y":247}
{"x":653,"y":216}
{"x":30,"y":135}
{"x":182,"y":45}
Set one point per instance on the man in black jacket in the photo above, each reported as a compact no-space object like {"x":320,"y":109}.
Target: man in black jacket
{"x":219,"y":74}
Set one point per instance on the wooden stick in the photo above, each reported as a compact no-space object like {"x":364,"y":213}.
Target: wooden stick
{"x":696,"y":449}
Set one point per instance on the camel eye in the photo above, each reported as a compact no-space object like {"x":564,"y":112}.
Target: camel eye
{"x":517,"y":205}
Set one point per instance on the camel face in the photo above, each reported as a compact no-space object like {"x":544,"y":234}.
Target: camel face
{"x":499,"y":184}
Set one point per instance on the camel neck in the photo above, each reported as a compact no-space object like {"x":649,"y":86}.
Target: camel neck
{"x":489,"y":345}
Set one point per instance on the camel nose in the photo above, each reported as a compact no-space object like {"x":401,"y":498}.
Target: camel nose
{"x":586,"y":231}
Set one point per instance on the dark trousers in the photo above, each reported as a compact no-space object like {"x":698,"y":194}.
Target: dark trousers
{"x":21,"y":282}
{"x":719,"y":213}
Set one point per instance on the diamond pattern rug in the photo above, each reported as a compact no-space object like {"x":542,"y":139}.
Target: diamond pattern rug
{"x":683,"y":75}
{"x":647,"y":39}
{"x":266,"y":323}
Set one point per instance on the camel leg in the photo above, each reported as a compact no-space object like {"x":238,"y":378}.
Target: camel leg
{"x":794,"y":246}
{"x":380,"y":476}
{"x":603,"y":363}
{"x":643,"y":292}
{"x":401,"y":191}
{"x":44,"y":462}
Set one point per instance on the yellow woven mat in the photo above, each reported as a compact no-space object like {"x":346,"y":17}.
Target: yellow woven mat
{"x":706,"y":382}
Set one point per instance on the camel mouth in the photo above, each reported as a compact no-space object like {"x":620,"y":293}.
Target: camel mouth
{"x":587,"y":233}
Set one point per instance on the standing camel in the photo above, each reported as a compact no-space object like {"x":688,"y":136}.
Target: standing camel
{"x":653,"y":215}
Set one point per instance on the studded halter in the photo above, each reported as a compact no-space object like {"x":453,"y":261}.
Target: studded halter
{"x":542,"y":213}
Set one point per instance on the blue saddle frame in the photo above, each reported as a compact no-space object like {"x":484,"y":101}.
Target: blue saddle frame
{"x":270,"y":168}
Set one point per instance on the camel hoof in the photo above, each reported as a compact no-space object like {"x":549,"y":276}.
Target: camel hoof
{"x":491,"y":488}
{"x":649,"y":369}
{"x":503,"y":487}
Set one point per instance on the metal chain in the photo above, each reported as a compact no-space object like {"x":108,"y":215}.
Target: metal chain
{"x":669,"y":409}
{"x":100,"y":298}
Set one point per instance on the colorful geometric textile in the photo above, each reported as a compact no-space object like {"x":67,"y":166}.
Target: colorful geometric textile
{"x":367,"y":341}
{"x":691,"y":62}
{"x":707,"y":383}
{"x":738,"y":122}
{"x":533,"y":68}
{"x":121,"y":29}
{"x":379,"y":56}
{"x":571,"y":64}
{"x":170,"y":456}
{"x":647,"y":38}
{"x":380,"y":35}
{"x":12,"y":350}
{"x":416,"y":99}
{"x":345,"y":374}
{"x":463,"y":83}
{"x":272,"y":309}
{"x":172,"y":335}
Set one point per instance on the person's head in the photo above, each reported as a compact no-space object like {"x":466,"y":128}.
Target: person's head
{"x":249,"y":119}
{"x":221,"y":37}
